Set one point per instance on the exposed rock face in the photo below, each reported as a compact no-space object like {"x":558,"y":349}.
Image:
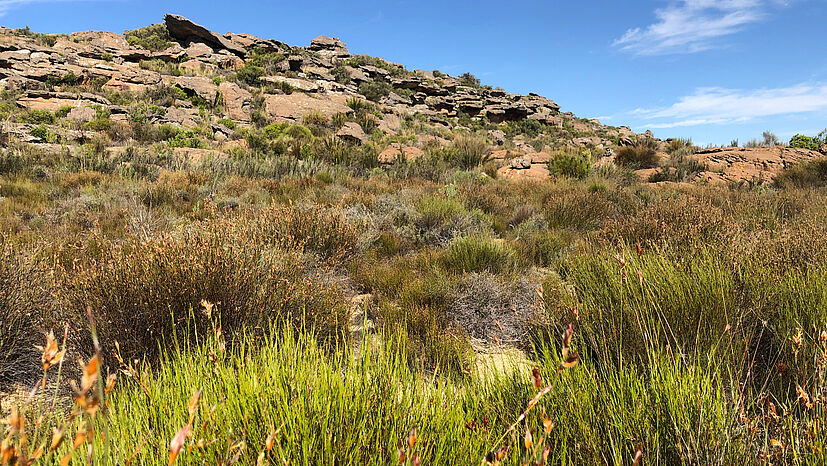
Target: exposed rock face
{"x":200,"y":69}
{"x":51,"y":101}
{"x":236,"y":101}
{"x":396,"y":152}
{"x":292,"y":107}
{"x":81,"y":114}
{"x":739,"y":164}
{"x":197,"y":85}
{"x":352,"y":132}
{"x":329,"y":46}
{"x":187,"y":31}
{"x":298,"y":84}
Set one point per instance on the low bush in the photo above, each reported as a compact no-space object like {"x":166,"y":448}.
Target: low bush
{"x":438,"y":220}
{"x":479,"y":254}
{"x":155,"y":37}
{"x":249,"y":74}
{"x":469,"y":152}
{"x":642,"y":155}
{"x":253,"y":274}
{"x":375,"y":90}
{"x":812,"y":174}
{"x":37,"y":117}
{"x":569,"y":165}
{"x":27,"y":305}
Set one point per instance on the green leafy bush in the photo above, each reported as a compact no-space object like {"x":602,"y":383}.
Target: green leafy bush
{"x":468,"y":79}
{"x":807,"y":142}
{"x":190,"y":137}
{"x":37,"y":117}
{"x":569,"y":165}
{"x":250,"y":74}
{"x":375,"y":90}
{"x":155,"y":37}
{"x":812,"y":174}
{"x":42,"y":132}
{"x":641,"y":155}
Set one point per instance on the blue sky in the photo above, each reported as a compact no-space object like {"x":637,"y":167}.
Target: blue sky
{"x":712,"y":70}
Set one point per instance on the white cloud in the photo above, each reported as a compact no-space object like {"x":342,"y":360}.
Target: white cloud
{"x":689,"y":26}
{"x":715,"y":105}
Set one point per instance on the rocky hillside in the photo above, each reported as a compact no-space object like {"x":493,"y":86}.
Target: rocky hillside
{"x":202,"y":89}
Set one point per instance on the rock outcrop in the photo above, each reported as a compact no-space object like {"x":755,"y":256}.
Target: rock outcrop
{"x":187,"y":31}
{"x":757,"y":165}
{"x":203,"y":79}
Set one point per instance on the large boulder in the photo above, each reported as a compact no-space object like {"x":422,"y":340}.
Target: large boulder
{"x":329,"y":46}
{"x":396,"y":152}
{"x":237,"y":101}
{"x":187,"y":31}
{"x":293,"y":107}
{"x":352,"y":132}
{"x":739,"y":164}
{"x":51,"y":101}
{"x":200,"y":86}
{"x":296,"y":83}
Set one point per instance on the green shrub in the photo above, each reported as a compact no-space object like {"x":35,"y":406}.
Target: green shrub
{"x":249,"y":74}
{"x":341,"y":75}
{"x":63,"y":111}
{"x":468,"y":79}
{"x":806,"y":142}
{"x":315,"y":118}
{"x":266,"y":61}
{"x":37,"y":117}
{"x":469,"y":151}
{"x":543,"y":248}
{"x":478,"y":254}
{"x":190,"y":137}
{"x":812,"y":174}
{"x":641,"y":155}
{"x":228,"y":123}
{"x":680,"y":147}
{"x":359,"y":106}
{"x":42,"y":132}
{"x":155,"y":37}
{"x":102,"y":122}
{"x":678,"y":169}
{"x":375,"y":90}
{"x":569,"y":165}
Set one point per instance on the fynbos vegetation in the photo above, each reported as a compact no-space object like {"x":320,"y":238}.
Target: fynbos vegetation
{"x":242,"y":252}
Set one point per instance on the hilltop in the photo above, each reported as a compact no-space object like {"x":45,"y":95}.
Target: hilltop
{"x":205,"y":89}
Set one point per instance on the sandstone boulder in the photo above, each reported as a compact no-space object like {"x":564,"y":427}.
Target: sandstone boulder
{"x":81,"y":114}
{"x":181,"y":117}
{"x":49,"y":100}
{"x":300,"y":84}
{"x":533,"y":172}
{"x":352,"y":132}
{"x":187,"y":31}
{"x":396,"y":152}
{"x":237,"y":101}
{"x":739,"y":164}
{"x":329,"y":46}
{"x":293,"y":107}
{"x":200,"y":86}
